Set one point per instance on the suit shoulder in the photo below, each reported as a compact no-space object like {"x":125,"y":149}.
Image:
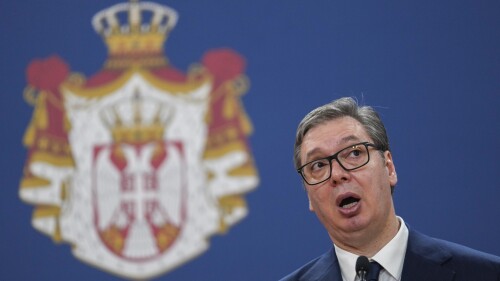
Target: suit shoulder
{"x":316,"y":269}
{"x":454,"y":253}
{"x":461,"y":252}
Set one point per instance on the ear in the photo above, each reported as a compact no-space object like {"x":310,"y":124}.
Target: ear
{"x":391,"y":168}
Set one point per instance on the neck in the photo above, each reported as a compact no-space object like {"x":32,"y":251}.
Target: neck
{"x":368,"y":244}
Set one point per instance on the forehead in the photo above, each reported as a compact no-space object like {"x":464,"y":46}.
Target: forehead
{"x":332,"y":135}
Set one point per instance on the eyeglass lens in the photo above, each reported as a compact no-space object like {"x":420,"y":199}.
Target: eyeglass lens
{"x":349,"y":158}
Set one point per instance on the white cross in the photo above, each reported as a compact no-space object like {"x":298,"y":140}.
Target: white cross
{"x":140,"y":168}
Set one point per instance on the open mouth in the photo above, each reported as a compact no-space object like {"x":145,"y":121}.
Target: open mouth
{"x":348,"y":202}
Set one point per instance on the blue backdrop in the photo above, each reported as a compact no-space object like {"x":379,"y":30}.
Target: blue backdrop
{"x":432,"y":69}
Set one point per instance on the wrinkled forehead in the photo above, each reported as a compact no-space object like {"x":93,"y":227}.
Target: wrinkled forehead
{"x":333,"y":135}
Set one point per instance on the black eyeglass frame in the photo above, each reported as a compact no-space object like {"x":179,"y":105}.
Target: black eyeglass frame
{"x":334,"y":156}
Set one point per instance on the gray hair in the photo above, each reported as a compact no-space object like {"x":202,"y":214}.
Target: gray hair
{"x":343,"y":107}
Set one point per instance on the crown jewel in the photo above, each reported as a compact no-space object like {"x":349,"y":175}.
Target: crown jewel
{"x":135,"y":30}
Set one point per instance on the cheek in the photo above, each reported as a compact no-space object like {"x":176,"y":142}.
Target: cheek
{"x":382,"y":190}
{"x":375,"y":186}
{"x":314,"y":198}
{"x":320,"y":198}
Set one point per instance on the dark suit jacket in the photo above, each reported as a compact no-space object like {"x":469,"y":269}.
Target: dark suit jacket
{"x":426,"y":259}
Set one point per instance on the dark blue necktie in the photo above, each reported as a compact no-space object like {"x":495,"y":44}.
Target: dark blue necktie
{"x":374,"y":271}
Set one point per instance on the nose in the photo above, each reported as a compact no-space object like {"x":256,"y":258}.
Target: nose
{"x":339,"y":175}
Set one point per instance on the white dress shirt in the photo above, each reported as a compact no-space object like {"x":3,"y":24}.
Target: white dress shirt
{"x":390,"y":257}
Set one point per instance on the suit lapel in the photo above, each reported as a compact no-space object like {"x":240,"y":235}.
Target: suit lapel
{"x":424,"y":260}
{"x":325,"y":269}
{"x":335,"y":271}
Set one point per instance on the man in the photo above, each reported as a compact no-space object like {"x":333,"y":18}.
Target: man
{"x":342,"y":153}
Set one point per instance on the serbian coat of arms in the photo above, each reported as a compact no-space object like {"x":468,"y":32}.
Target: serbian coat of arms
{"x":138,"y":165}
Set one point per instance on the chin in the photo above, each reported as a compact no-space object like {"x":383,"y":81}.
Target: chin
{"x":355,"y":223}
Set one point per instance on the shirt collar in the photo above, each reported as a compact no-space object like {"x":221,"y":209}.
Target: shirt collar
{"x":391,"y":256}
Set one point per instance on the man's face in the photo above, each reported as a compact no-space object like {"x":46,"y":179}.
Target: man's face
{"x":356,"y":206}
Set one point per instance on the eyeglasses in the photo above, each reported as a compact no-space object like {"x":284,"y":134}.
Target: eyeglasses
{"x":350,"y":158}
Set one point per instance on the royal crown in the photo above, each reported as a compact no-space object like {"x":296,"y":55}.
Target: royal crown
{"x":136,"y":121}
{"x":135,"y":31}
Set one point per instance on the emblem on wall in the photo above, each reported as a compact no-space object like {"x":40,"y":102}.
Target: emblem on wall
{"x":138,"y":165}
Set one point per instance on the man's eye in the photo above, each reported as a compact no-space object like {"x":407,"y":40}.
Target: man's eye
{"x":354,"y":153}
{"x":318,"y":165}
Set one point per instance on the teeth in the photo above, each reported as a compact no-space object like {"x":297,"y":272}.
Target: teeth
{"x":350,"y":205}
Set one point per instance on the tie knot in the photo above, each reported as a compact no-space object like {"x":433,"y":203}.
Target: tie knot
{"x":374,"y":271}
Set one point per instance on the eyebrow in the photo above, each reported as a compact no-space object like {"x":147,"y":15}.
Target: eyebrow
{"x":342,"y":140}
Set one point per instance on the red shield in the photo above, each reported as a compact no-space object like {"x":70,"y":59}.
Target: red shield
{"x":139,"y":197}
